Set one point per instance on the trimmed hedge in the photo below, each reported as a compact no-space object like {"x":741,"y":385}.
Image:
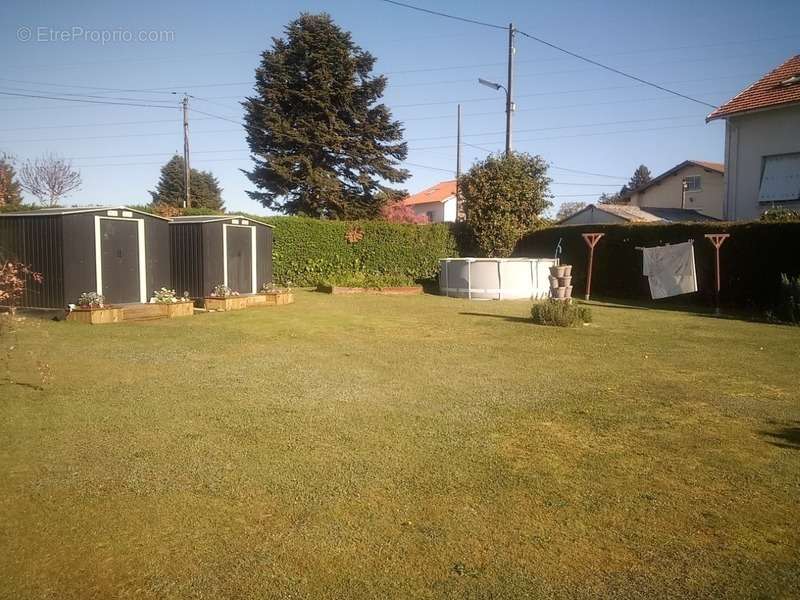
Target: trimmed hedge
{"x":752,"y":259}
{"x":307,"y":251}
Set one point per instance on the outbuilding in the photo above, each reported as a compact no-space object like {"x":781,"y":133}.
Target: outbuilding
{"x":211,"y":250}
{"x":119,"y":252}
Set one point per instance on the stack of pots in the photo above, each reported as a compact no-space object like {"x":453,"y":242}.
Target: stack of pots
{"x":561,"y":282}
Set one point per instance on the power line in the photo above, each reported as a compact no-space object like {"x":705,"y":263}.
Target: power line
{"x":88,"y":101}
{"x":555,"y":47}
{"x":114,"y":136}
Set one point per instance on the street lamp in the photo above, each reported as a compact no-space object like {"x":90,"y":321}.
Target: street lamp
{"x":509,"y":108}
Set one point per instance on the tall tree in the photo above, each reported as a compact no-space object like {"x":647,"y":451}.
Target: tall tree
{"x":567,"y":209}
{"x":640,"y":177}
{"x":320,"y":140}
{"x":10,"y":188}
{"x":50,"y":179}
{"x":504,"y":197}
{"x":204,"y":189}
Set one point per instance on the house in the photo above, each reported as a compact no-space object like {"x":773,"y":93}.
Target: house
{"x":693,"y":184}
{"x":762,"y":144}
{"x":620,"y":213}
{"x":437,"y":203}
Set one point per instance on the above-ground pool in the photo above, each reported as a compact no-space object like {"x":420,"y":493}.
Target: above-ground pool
{"x":495,"y":278}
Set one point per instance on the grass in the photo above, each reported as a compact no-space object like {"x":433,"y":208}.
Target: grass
{"x":414,"y":447}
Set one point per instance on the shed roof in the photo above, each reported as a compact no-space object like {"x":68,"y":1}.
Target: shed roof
{"x":779,"y":87}
{"x":74,"y":210}
{"x":645,"y":214}
{"x":437,"y":193}
{"x":216,"y":219}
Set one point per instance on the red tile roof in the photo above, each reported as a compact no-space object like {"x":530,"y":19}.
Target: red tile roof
{"x":438,"y":193}
{"x":777,"y":88}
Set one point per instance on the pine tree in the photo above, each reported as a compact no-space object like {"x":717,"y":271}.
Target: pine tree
{"x":640,"y":177}
{"x":10,"y":188}
{"x":320,"y":141}
{"x":204,"y":189}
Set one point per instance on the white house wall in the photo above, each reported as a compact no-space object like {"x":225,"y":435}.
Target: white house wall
{"x":748,"y":139}
{"x":449,"y":210}
{"x":440,"y":211}
{"x":667,"y":193}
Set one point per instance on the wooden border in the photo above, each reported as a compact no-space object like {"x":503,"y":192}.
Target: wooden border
{"x":95,"y":316}
{"x":225,"y":304}
{"x":177,"y":309}
{"x":409,"y":290}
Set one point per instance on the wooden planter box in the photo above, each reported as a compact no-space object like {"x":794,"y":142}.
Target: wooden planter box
{"x":254,"y":300}
{"x":96,"y":316}
{"x":177,"y":309}
{"x":409,"y":290}
{"x":225,"y":304}
{"x":277,"y":299}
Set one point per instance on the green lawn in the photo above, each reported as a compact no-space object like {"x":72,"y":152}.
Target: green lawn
{"x":419,"y":447}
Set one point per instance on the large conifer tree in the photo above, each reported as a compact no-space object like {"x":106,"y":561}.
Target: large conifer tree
{"x":10,"y":188}
{"x":321,"y":142}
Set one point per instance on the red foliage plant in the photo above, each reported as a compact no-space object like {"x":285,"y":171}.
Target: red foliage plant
{"x":13,"y":279}
{"x":397,"y":212}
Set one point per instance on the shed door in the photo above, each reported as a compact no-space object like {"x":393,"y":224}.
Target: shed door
{"x":240,"y":259}
{"x":119,"y":257}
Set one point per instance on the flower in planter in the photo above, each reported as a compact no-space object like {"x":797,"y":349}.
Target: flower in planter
{"x":91,"y":300}
{"x":167,"y":296}
{"x":223,"y":291}
{"x":274,"y":288}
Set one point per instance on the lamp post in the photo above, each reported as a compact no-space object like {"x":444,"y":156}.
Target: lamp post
{"x":509,"y":108}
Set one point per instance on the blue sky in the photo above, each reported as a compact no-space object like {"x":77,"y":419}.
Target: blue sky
{"x":575,"y":115}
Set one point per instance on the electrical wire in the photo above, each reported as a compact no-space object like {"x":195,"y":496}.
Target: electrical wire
{"x":88,"y":101}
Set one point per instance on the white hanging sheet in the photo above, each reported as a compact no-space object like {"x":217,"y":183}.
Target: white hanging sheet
{"x":670,"y":269}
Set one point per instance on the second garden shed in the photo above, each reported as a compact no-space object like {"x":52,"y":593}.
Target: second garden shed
{"x":220,"y":250}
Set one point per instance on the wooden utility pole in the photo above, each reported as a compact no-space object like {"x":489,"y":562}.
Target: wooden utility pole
{"x":458,"y":164}
{"x":509,"y":87}
{"x":187,"y":168}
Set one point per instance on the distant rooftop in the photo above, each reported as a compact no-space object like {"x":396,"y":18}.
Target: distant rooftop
{"x":437,"y":193}
{"x":645,"y":214}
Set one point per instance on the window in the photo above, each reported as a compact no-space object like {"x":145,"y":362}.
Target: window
{"x":780,"y":178}
{"x":429,"y":214}
{"x":692,"y":183}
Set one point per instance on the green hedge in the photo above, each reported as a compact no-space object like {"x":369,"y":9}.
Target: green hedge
{"x":307,"y":251}
{"x":752,"y":259}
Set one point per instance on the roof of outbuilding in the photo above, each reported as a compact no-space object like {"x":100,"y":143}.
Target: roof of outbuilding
{"x":216,"y":218}
{"x":779,"y":87}
{"x":645,"y":214}
{"x":437,"y":193}
{"x":73,"y":210}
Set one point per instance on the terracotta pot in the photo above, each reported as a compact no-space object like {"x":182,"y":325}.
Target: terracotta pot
{"x":567,"y":270}
{"x":553,"y":282}
{"x":568,"y":293}
{"x":559,"y":292}
{"x":564,"y":281}
{"x":557,"y":271}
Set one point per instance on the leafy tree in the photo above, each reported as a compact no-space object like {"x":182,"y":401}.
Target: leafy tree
{"x":10,"y":188}
{"x":567,"y":209}
{"x":204,"y":189}
{"x":49,"y":178}
{"x":503,"y":198}
{"x":320,"y":141}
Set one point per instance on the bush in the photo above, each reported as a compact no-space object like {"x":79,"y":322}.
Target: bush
{"x":366,"y":280}
{"x":752,"y":259}
{"x":307,"y":251}
{"x":560,"y":314}
{"x":789,"y":304}
{"x":780,"y":215}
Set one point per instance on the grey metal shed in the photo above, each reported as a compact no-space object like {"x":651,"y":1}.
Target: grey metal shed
{"x":119,"y":252}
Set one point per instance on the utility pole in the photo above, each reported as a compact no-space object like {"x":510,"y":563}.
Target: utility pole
{"x":187,"y":169}
{"x":509,"y":96}
{"x":458,"y":166}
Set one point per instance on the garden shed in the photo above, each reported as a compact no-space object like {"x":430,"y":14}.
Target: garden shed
{"x":210,"y":250}
{"x":119,"y":252}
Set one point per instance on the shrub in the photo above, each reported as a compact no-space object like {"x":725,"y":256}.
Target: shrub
{"x":789,"y":303}
{"x":560,"y":314}
{"x":14,"y":277}
{"x":91,"y":300}
{"x":366,"y":280}
{"x":780,"y":215}
{"x":223,"y":291}
{"x":751,"y":259}
{"x":308,"y":251}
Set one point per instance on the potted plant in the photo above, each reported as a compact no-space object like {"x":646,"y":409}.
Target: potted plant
{"x":275,"y":295}
{"x":171,"y":304}
{"x":92,"y":308}
{"x":223,"y":298}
